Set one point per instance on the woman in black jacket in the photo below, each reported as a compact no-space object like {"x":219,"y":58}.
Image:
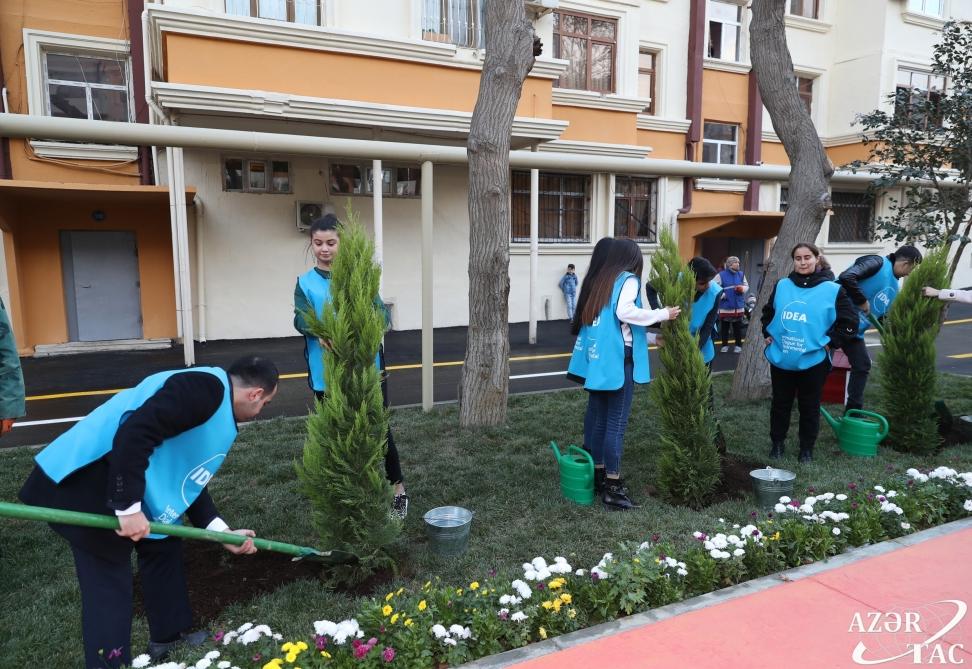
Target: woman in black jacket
{"x":805,"y":316}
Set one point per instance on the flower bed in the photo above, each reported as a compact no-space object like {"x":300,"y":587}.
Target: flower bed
{"x":442,"y":625}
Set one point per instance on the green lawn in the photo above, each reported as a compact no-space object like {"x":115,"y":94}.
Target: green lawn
{"x":507,"y":476}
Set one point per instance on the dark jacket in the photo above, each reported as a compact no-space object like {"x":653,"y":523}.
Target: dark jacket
{"x":705,"y":332}
{"x":863,"y":268}
{"x":845,"y":326}
{"x":183,"y":402}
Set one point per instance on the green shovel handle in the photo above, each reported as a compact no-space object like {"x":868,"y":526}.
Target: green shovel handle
{"x":876,"y":323}
{"x":47,"y":515}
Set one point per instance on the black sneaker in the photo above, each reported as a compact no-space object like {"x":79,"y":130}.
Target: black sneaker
{"x":599,"y":479}
{"x":777,"y":451}
{"x":616,"y":496}
{"x":159,"y":651}
{"x":400,"y":506}
{"x":806,"y":455}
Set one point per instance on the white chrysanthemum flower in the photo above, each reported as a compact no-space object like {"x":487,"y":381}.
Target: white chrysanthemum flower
{"x":225,"y":664}
{"x":779,"y":508}
{"x":646,"y":544}
{"x":810,"y":500}
{"x":716,"y":553}
{"x":325,"y":628}
{"x":580,"y":572}
{"x":203,"y":664}
{"x":518,"y":617}
{"x":697,"y":534}
{"x":539,"y":563}
{"x":449,"y":642}
{"x":720,"y":541}
{"x":836,"y":531}
{"x":734,"y":540}
{"x":244,"y":627}
{"x":682,"y":571}
{"x":905,"y":526}
{"x":228,"y":637}
{"x":522,"y":589}
{"x":439,"y":631}
{"x":840,"y":497}
{"x":212,"y":655}
{"x":806,"y":508}
{"x":141,"y":661}
{"x":784,"y":500}
{"x":967,"y":505}
{"x":879,"y":488}
{"x":503,"y":612}
{"x":892,"y":493}
{"x":455,"y":630}
{"x":739,"y":552}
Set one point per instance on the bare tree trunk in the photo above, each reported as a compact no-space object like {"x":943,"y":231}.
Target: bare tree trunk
{"x":484,"y":383}
{"x":809,"y":179}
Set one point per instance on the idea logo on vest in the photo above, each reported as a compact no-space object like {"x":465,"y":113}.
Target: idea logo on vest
{"x":198,"y":477}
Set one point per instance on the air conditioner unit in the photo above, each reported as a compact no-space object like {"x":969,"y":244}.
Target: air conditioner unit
{"x":307,"y":213}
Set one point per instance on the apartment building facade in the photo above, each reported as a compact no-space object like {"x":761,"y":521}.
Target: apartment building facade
{"x":628,"y":78}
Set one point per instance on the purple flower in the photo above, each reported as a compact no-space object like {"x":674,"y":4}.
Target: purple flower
{"x":320,"y":642}
{"x":882,"y":498}
{"x":257,"y":657}
{"x":870,"y":498}
{"x":769,"y":515}
{"x":890,"y":468}
{"x":361,"y":651}
{"x":114,"y":652}
{"x":356,"y":643}
{"x":753,"y":515}
{"x":504,"y":615}
{"x":655,"y":538}
{"x":219,"y":636}
{"x":795,"y":504}
{"x":541,"y":586}
{"x":755,"y":533}
{"x":852,"y":485}
{"x":492,"y":572}
{"x":811,"y":490}
{"x":595,"y":577}
{"x":662,"y":556}
{"x":372,"y":641}
{"x":853,"y":505}
{"x":388,"y":654}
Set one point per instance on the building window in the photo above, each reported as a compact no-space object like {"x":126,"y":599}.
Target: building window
{"x":805,"y":88}
{"x":720,"y":143}
{"x":724,"y":25}
{"x":808,"y":9}
{"x":565,"y":206}
{"x":784,"y":198}
{"x":307,"y":12}
{"x":636,"y":209}
{"x":257,"y":175}
{"x":87,"y":86}
{"x":850,"y":218}
{"x":919,"y":93}
{"x":933,"y":7}
{"x":459,"y":22}
{"x":396,"y":181}
{"x":648,"y":78}
{"x":590,"y":44}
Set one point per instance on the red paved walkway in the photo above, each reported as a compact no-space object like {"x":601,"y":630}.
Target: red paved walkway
{"x":807,"y":622}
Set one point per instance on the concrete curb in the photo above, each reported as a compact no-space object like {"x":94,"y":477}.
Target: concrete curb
{"x":637,"y":620}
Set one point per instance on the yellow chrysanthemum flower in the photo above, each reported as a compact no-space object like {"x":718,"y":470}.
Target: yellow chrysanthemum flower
{"x":389,"y":596}
{"x":288,"y":646}
{"x":408,"y":622}
{"x":556,"y":606}
{"x":636,"y":561}
{"x":399,"y":591}
{"x":291,"y":657}
{"x":427,"y":584}
{"x":459,"y":591}
{"x":543,"y":633}
{"x":571,"y":613}
{"x":325,"y":654}
{"x":547,"y":605}
{"x":474,"y":585}
{"x":273,"y":664}
{"x":394,"y":619}
{"x":386,"y":610}
{"x":301,"y":645}
{"x":422,"y":605}
{"x":566,"y":598}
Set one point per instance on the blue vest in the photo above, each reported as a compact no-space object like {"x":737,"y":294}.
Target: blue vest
{"x":799,"y":328}
{"x":598,"y":355}
{"x":732,"y":300}
{"x":700,"y":309}
{"x":880,"y":289}
{"x":178,"y":469}
{"x":317,"y":289}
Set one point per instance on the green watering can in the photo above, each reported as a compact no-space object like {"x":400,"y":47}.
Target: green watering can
{"x":576,"y":474}
{"x":859,"y":432}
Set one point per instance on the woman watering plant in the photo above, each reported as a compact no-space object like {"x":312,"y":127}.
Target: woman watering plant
{"x":806,"y":315}
{"x":311,"y":295}
{"x":611,"y":355}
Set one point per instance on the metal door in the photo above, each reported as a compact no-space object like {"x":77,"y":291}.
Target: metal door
{"x":101,"y":285}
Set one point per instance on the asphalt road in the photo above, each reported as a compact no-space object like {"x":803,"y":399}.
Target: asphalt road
{"x":62,"y":389}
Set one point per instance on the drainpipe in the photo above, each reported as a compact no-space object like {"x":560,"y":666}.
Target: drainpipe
{"x":153,"y":106}
{"x":199,"y":211}
{"x":754,"y":140}
{"x":6,"y":171}
{"x":693,"y":102}
{"x":135,"y":37}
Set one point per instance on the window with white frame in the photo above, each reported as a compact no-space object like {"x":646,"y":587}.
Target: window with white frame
{"x":307,"y":12}
{"x":565,"y":208}
{"x":918,"y":92}
{"x":724,"y":29}
{"x":459,"y":22}
{"x":805,"y":89}
{"x":257,"y":175}
{"x":850,"y":217}
{"x":355,"y":179}
{"x":808,"y":9}
{"x":932,"y":7}
{"x":720,"y":143}
{"x":87,"y":85}
{"x":636,"y":209}
{"x":590,"y":44}
{"x":648,"y":79}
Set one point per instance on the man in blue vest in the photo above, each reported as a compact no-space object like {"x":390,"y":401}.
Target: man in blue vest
{"x":146,"y":455}
{"x":872,"y":284}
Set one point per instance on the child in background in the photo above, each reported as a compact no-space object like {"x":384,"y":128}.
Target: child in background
{"x":568,"y":284}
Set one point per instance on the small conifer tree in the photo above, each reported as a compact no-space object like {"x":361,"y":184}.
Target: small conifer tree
{"x":907,"y":359}
{"x":342,"y":470}
{"x":689,"y":466}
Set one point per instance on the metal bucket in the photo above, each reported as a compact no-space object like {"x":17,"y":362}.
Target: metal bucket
{"x":770,"y":484}
{"x":448,"y":529}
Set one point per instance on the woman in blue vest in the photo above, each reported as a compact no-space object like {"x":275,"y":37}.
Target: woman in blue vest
{"x":610,"y":356}
{"x":805,"y":316}
{"x":705,"y":306}
{"x":313,"y":291}
{"x":872,"y":284}
{"x":146,"y":455}
{"x":732,"y":306}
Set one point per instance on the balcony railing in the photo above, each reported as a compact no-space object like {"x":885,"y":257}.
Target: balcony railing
{"x":307,"y":12}
{"x":459,"y":22}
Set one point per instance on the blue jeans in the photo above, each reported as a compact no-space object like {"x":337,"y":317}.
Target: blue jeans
{"x":607,"y":418}
{"x":571,"y":304}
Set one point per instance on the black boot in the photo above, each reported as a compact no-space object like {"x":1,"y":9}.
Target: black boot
{"x":598,"y":480}
{"x":777,"y":451}
{"x":616,"y":496}
{"x":806,"y":454}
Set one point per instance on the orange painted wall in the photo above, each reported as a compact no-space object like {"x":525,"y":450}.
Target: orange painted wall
{"x":774,"y":154}
{"x":725,"y":100}
{"x":76,"y":17}
{"x":708,"y":201}
{"x":664,"y":144}
{"x":841,"y":155}
{"x":597,"y":125}
{"x":39,"y":272}
{"x":213,"y":62}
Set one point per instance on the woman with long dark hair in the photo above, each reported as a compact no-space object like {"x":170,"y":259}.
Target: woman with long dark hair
{"x":806,"y":315}
{"x":611,"y":355}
